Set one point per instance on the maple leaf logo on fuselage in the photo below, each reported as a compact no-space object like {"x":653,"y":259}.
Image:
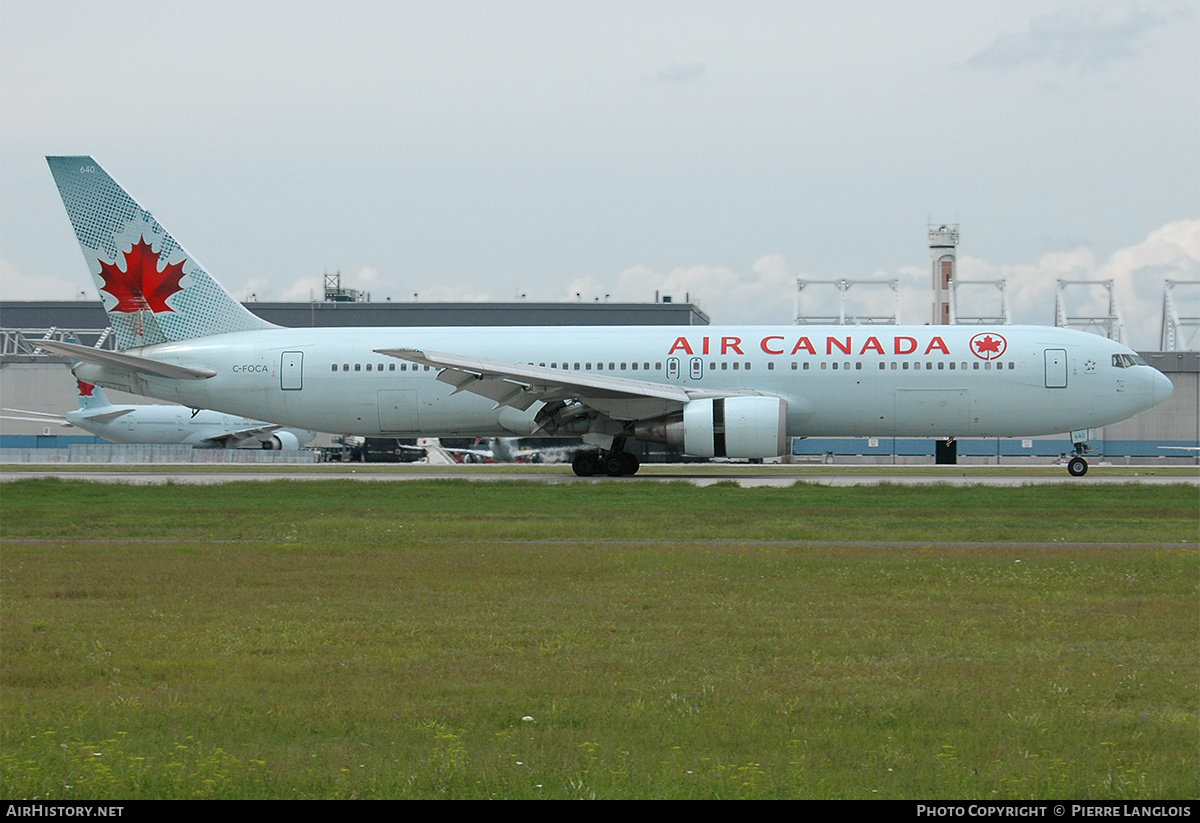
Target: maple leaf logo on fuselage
{"x":988,"y":346}
{"x":142,"y":285}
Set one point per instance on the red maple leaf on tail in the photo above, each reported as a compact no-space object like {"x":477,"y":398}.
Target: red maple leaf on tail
{"x":142,"y":285}
{"x":85,"y":389}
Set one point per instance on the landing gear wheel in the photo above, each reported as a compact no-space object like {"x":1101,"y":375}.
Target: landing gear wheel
{"x":613,"y":464}
{"x":585,"y":463}
{"x":1077,"y":467}
{"x":629,"y":464}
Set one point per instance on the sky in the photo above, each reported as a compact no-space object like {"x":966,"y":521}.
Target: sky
{"x":566,"y":151}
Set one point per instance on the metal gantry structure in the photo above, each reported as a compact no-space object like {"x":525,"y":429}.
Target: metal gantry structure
{"x":1109,"y":325}
{"x":1003,"y":318}
{"x":844,"y":316}
{"x":24,"y":342}
{"x":1180,"y":332}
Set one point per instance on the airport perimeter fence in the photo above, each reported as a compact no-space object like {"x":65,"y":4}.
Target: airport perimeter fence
{"x":101,"y":453}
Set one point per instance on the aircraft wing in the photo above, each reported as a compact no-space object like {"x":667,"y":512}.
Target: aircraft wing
{"x":42,"y":417}
{"x":230,"y":439}
{"x":520,"y":385}
{"x":38,"y":415}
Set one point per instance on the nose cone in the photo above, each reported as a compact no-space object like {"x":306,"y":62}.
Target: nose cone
{"x":1163,"y":387}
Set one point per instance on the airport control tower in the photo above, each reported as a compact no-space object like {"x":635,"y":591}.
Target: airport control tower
{"x":943,"y":249}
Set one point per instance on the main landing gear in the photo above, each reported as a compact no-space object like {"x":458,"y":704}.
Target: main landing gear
{"x":615,"y":462}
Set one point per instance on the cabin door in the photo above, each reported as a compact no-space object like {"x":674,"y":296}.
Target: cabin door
{"x":291,"y":368}
{"x":1056,"y":368}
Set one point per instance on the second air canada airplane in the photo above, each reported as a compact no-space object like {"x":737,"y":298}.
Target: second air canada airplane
{"x":738,"y":391}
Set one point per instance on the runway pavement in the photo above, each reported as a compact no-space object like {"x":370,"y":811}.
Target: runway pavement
{"x":697,"y":474}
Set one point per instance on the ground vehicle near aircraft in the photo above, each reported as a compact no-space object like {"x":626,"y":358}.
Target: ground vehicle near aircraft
{"x":175,"y":425}
{"x":715,"y":392}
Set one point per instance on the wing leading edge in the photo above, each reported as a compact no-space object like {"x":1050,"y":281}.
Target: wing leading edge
{"x":520,"y":385}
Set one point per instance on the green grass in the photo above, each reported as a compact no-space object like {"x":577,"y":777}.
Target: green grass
{"x":340,"y":639}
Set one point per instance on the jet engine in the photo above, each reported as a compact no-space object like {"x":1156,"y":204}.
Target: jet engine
{"x":282,"y":441}
{"x":751,"y":427}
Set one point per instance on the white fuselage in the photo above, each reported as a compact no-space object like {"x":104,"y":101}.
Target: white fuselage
{"x":837,"y":380}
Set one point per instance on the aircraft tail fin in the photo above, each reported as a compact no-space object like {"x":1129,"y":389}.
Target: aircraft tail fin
{"x":153,"y":290}
{"x":90,"y":396}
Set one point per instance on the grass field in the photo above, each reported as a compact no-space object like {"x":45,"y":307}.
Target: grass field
{"x":453,"y":639}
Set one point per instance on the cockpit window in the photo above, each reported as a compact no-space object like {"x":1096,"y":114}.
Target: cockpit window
{"x":1125,"y":361}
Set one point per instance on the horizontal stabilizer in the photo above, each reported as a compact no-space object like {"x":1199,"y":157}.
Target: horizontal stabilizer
{"x":107,"y":416}
{"x":129,"y":362}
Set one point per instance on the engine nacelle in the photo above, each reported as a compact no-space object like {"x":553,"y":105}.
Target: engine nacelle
{"x":281,"y":440}
{"x":751,"y":427}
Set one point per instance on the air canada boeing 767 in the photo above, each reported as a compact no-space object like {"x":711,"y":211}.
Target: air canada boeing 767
{"x":735,"y":391}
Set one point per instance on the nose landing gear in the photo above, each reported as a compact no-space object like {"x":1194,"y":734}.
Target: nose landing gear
{"x":1077,"y":466}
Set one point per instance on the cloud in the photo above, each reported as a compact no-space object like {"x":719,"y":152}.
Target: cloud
{"x":1082,"y":38}
{"x":678,"y":73}
{"x":1137,"y":272}
{"x":761,"y":295}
